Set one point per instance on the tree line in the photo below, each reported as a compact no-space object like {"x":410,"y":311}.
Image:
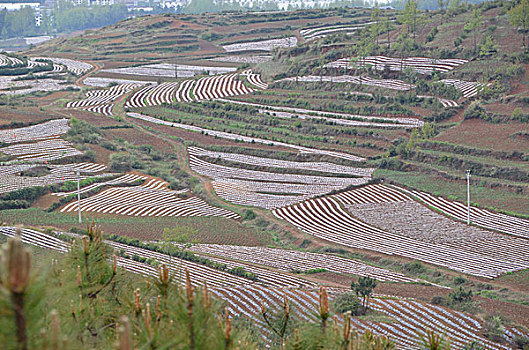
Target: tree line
{"x":64,"y":17}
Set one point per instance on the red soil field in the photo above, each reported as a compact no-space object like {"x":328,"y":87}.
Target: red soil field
{"x":481,"y":134}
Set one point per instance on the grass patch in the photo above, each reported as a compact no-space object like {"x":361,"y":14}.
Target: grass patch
{"x":210,"y":229}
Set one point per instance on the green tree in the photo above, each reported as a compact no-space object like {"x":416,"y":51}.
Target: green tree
{"x":347,"y":302}
{"x":376,"y":27}
{"x":472,"y":25}
{"x":387,"y":27}
{"x":433,"y":341}
{"x":364,"y":288}
{"x":410,"y":17}
{"x":519,"y":17}
{"x":488,"y":48}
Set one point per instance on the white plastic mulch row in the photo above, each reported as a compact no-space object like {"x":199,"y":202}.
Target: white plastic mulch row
{"x":183,"y":94}
{"x":101,"y":100}
{"x":102,"y":109}
{"x":287,"y":164}
{"x":321,"y":32}
{"x":84,"y":167}
{"x":36,"y":132}
{"x":9,"y":61}
{"x":42,"y":150}
{"x":265,"y":276}
{"x":103,"y":96}
{"x":153,"y":95}
{"x":11,"y":181}
{"x":169,"y":70}
{"x":265,"y":189}
{"x":371,"y":194}
{"x":479,"y":217}
{"x":76,"y":67}
{"x":339,"y":118}
{"x":216,"y":171}
{"x":411,"y":219}
{"x":124,"y":179}
{"x":199,"y":273}
{"x":33,"y":64}
{"x":393,"y":84}
{"x":245,"y":298}
{"x":291,"y":260}
{"x":411,"y":318}
{"x":255,"y":59}
{"x":324,"y":218}
{"x":421,"y":65}
{"x":236,"y":137}
{"x":146,"y":201}
{"x":219,"y":86}
{"x":101,"y":82}
{"x":254,"y":79}
{"x":445,"y":102}
{"x":468,"y":88}
{"x":245,"y":194}
{"x":263,"y":45}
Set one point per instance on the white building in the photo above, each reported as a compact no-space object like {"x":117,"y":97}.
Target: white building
{"x":13,"y":6}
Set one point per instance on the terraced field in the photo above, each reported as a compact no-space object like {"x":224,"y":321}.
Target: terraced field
{"x":421,"y":65}
{"x":101,"y":101}
{"x":266,"y":189}
{"x":325,"y":218}
{"x":74,"y":66}
{"x":230,"y":136}
{"x":411,"y":318}
{"x":149,"y":199}
{"x":292,"y":261}
{"x":46,"y":130}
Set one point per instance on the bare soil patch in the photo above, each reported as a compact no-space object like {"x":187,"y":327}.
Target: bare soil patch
{"x":481,"y":134}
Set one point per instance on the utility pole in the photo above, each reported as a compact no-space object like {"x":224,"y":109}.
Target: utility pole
{"x":468,"y":197}
{"x":176,"y":68}
{"x":79,"y":195}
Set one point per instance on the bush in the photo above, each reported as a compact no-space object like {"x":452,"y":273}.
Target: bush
{"x":494,"y":329}
{"x":348,"y":302}
{"x":475,"y":111}
{"x":414,"y":267}
{"x":438,"y":300}
{"x":29,"y":194}
{"x":123,"y":162}
{"x":248,"y":215}
{"x":460,"y":280}
{"x":522,"y":342}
